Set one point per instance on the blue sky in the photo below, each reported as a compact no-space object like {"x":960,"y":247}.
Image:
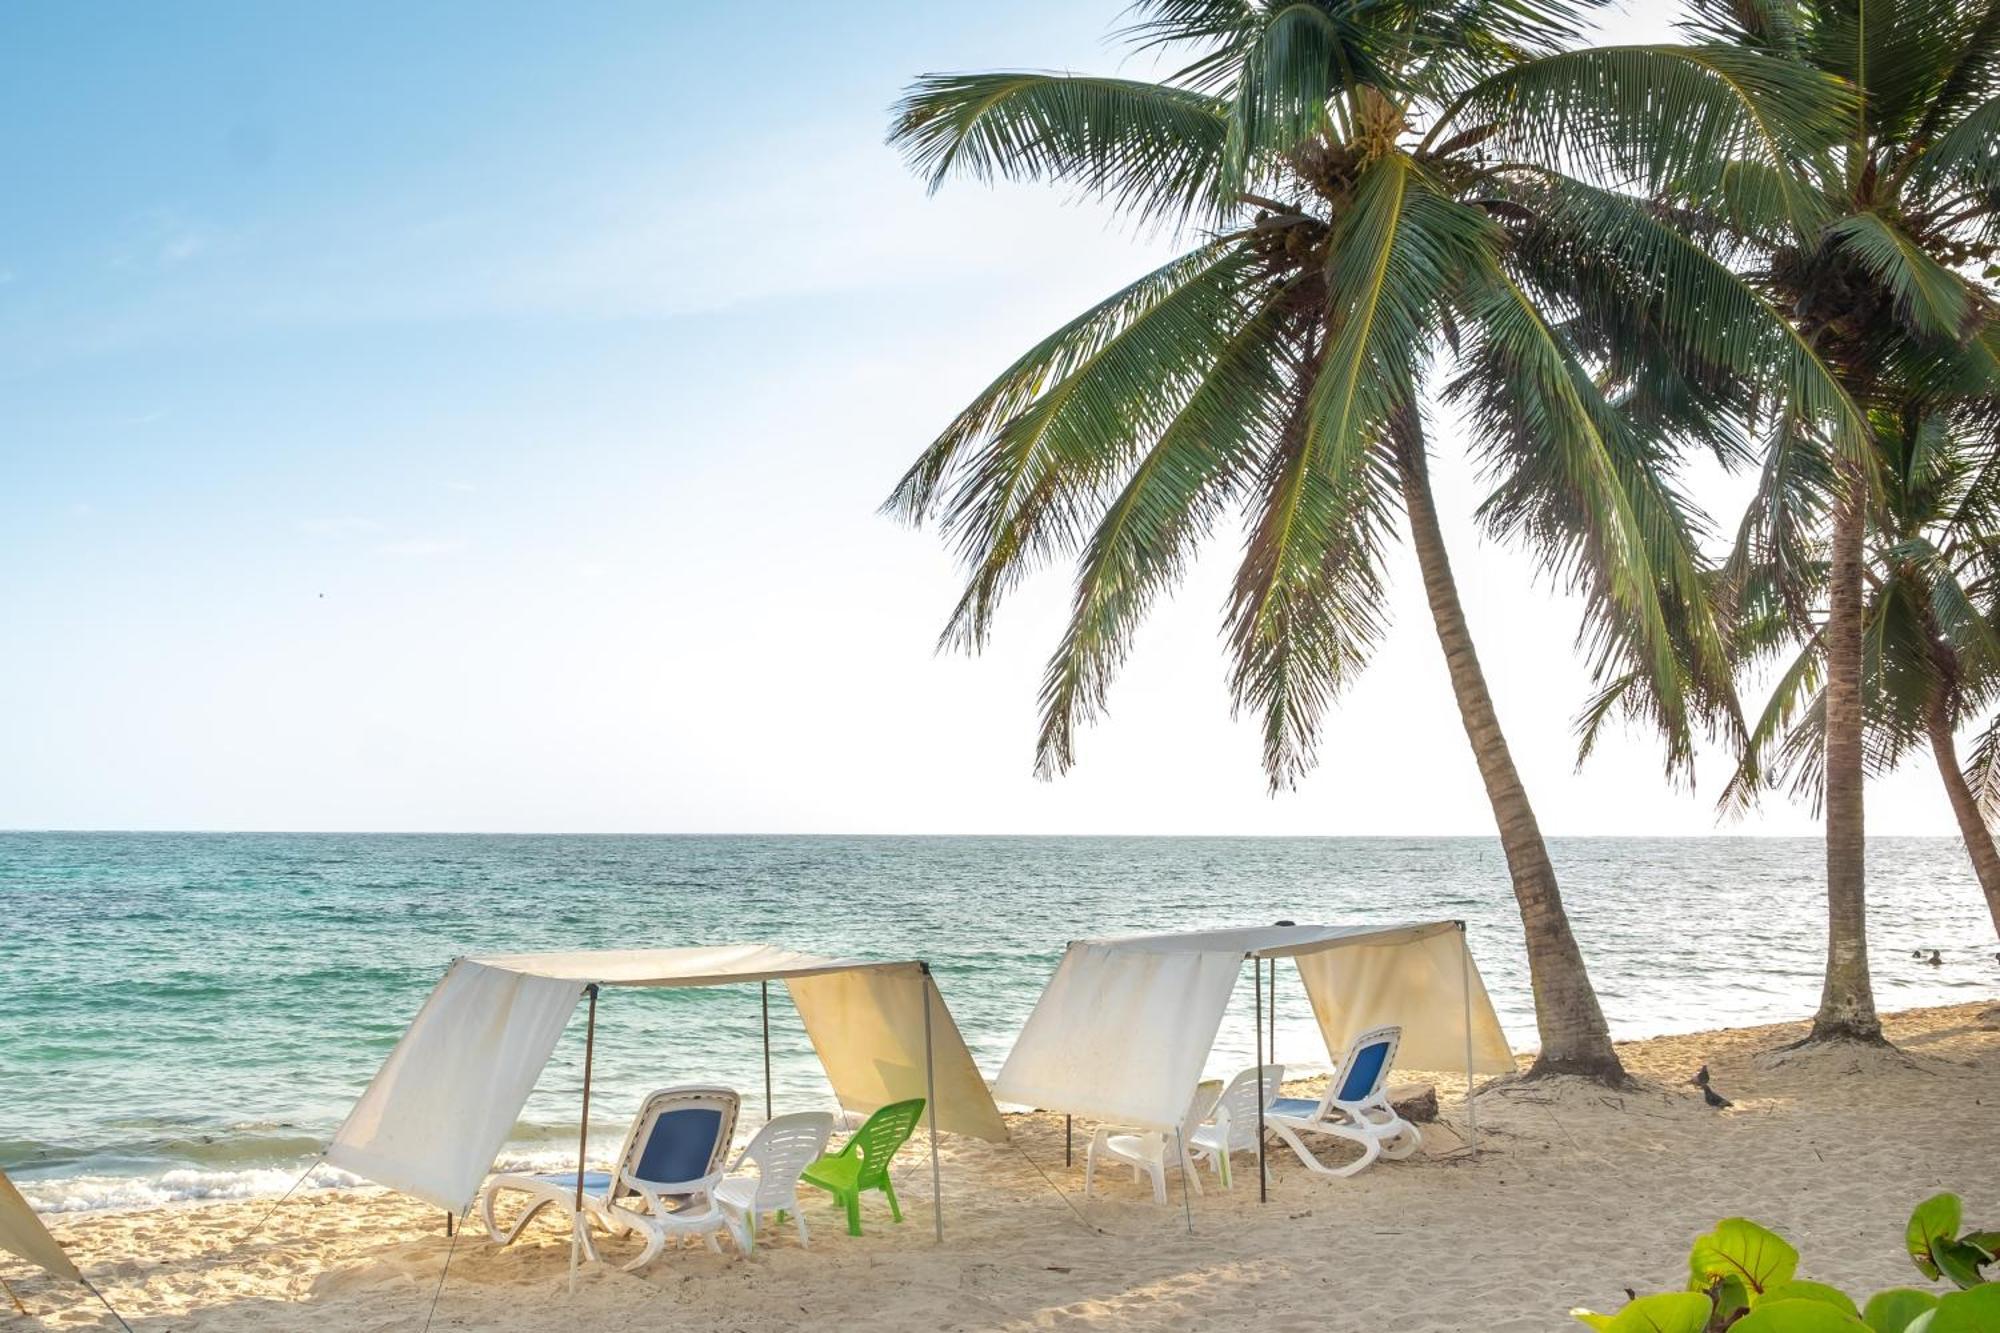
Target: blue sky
{"x":458,"y":416}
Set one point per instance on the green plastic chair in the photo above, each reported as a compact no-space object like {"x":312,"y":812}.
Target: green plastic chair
{"x":863,"y":1161}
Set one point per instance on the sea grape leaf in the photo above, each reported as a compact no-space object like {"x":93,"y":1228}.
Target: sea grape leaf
{"x":1958,"y":1261}
{"x":1668,"y":1312}
{"x":1739,"y":1248}
{"x":1935,"y":1218}
{"x":1798,"y":1289}
{"x":1988,"y":1241}
{"x":1894,"y":1310}
{"x":1798,"y":1317}
{"x":1973,"y":1311}
{"x":1732,"y":1297}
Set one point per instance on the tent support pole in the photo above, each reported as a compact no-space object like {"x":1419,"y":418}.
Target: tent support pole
{"x":1069,"y":1140}
{"x":583,"y":1133}
{"x":448,"y":1220}
{"x":930,"y":1105}
{"x":765,"y":987}
{"x":91,"y":1287}
{"x":1187,"y":1209}
{"x":1263,"y":1181}
{"x":1271,"y":1017}
{"x":1465,"y":988}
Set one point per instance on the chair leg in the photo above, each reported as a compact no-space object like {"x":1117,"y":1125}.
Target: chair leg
{"x":1158,"y":1171}
{"x":1089,"y":1168}
{"x":800,"y":1219}
{"x":895,"y":1208}
{"x":656,"y":1240}
{"x":853,"y":1202}
{"x":508,"y":1236}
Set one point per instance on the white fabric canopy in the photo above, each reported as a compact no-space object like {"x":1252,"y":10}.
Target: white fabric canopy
{"x":22,"y":1233}
{"x":1125,"y":1026}
{"x":439,"y":1109}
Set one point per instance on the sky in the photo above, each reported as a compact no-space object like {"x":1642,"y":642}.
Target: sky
{"x":474,"y":417}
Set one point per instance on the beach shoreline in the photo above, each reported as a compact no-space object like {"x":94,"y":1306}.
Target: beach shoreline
{"x":1576,"y":1194}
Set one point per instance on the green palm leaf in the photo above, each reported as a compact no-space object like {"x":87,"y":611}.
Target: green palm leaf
{"x":1930,"y":298}
{"x":1170,"y":502}
{"x":1668,"y":117}
{"x":1150,"y":148}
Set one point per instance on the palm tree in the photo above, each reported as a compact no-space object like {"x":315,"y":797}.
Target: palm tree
{"x":1383,"y":208}
{"x":1867,"y":249}
{"x":1930,"y":632}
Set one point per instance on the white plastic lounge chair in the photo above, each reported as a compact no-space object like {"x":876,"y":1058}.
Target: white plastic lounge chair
{"x":1233,"y":1125}
{"x":661,"y":1184}
{"x":1355,"y":1107}
{"x":1147,"y":1151}
{"x":781,"y":1152}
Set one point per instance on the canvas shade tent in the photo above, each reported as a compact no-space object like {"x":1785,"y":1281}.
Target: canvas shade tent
{"x":442,"y":1105}
{"x":1125,"y":1026}
{"x":22,"y":1233}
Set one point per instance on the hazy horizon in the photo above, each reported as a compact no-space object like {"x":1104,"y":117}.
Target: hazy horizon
{"x":474,"y":420}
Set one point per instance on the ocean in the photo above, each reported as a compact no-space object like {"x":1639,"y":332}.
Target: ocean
{"x":188,"y":1016}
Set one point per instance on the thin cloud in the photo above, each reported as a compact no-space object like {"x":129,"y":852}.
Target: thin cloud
{"x":421,"y":548}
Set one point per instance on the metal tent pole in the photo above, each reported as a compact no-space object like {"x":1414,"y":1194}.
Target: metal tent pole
{"x":930,"y":1093}
{"x":583,"y":1134}
{"x":1263,"y":1181}
{"x":1465,"y":989}
{"x":1271,"y":1017}
{"x":765,"y":987}
{"x":1069,"y":1140}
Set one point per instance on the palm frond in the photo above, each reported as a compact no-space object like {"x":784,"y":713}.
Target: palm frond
{"x":1965,"y":157}
{"x":1031,"y":488}
{"x":1929,"y":298}
{"x":1303,"y":611}
{"x":1779,"y":548}
{"x":1794,"y":694}
{"x":1982,"y":771}
{"x":1146,"y":148}
{"x":1596,"y":503}
{"x":1172,"y":500}
{"x":1664,"y":118}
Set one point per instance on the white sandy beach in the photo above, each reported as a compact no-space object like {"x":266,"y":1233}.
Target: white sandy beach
{"x":1576,"y":1195}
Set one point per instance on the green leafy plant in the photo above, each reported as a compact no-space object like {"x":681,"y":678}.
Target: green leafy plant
{"x":1744,"y":1277}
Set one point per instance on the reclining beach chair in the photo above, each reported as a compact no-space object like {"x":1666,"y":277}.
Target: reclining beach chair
{"x":1233,"y":1125}
{"x":1354,"y":1107}
{"x":863,"y":1161}
{"x":1147,"y":1151}
{"x":661,"y":1183}
{"x":781,"y":1152}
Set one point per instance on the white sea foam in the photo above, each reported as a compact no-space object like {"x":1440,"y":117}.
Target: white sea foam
{"x":77,"y":1194}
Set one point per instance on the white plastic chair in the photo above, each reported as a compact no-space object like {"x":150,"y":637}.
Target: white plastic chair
{"x":1233,"y":1125}
{"x":1354,"y":1107}
{"x":781,"y":1152}
{"x":1147,"y":1151}
{"x":660,"y":1184}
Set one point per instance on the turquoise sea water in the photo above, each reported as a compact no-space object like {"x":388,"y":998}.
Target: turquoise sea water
{"x":189,"y":1015}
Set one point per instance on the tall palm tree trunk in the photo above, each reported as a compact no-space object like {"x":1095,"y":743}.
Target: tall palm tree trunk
{"x":1972,"y":828}
{"x":1847,"y":1001}
{"x":1574,"y":1037}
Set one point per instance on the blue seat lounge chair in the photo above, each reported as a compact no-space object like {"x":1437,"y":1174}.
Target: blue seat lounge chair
{"x":661,"y":1184}
{"x":1355,"y":1107}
